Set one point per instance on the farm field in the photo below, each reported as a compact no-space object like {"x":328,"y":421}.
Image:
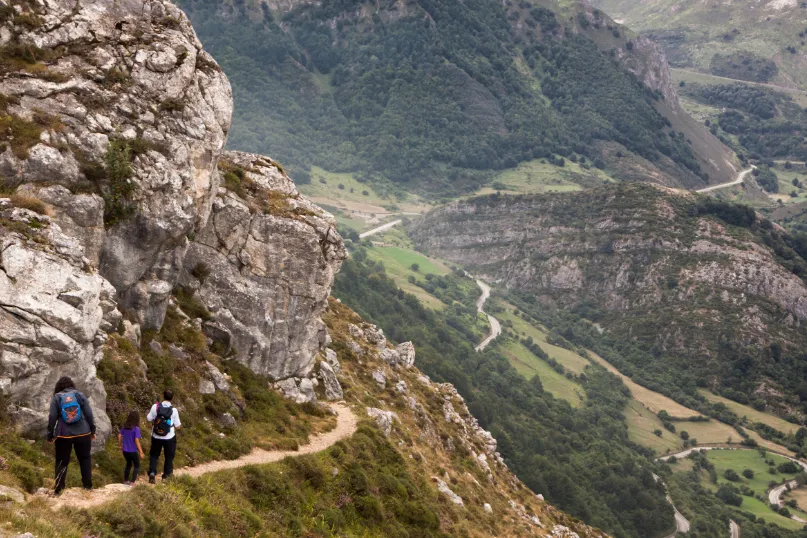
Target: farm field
{"x":529,"y":365}
{"x":753,"y":415}
{"x":539,"y":177}
{"x":398,"y":264}
{"x":641,"y":425}
{"x":739,"y":460}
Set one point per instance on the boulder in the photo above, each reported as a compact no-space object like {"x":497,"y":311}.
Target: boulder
{"x":227,"y":420}
{"x":443,"y":488}
{"x":265,"y":272}
{"x":219,"y":379}
{"x":401,"y":387}
{"x":12,"y":494}
{"x":384,"y":419}
{"x":488,"y":508}
{"x":380,"y":378}
{"x":390,"y":356}
{"x":406,"y":354}
{"x":206,"y":387}
{"x":297,"y":390}
{"x":333,"y":389}
{"x":375,"y":336}
{"x":333,"y":360}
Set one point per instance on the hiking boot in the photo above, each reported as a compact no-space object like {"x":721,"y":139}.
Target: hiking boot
{"x":152,"y":479}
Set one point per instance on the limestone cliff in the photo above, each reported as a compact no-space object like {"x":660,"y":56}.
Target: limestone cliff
{"x":263,"y":266}
{"x":112,"y":122}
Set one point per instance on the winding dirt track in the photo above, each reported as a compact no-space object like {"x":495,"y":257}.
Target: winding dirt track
{"x":381,"y":228}
{"x":346,"y":423}
{"x":495,"y":326}
{"x":738,"y":181}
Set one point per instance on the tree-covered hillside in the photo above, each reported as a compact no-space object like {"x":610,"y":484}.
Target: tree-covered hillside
{"x":435,"y":96}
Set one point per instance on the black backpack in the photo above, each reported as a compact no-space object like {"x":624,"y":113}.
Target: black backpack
{"x":162,"y":422}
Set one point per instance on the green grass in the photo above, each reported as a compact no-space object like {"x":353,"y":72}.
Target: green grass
{"x":753,"y":415}
{"x":537,"y":177}
{"x":641,"y":425}
{"x":529,"y":365}
{"x":398,"y":264}
{"x":738,"y":460}
{"x":678,"y":75}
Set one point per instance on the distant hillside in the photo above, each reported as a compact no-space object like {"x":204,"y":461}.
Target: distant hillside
{"x":434,"y":97}
{"x":711,"y":292}
{"x":761,"y":41}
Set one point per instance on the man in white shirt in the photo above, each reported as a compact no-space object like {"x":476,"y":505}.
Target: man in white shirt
{"x":163,"y":435}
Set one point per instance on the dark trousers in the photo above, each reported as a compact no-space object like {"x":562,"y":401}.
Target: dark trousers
{"x":157,"y":446}
{"x":132,"y":461}
{"x":82,"y":446}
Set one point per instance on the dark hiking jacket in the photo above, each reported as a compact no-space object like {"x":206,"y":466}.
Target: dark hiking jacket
{"x":57,"y":427}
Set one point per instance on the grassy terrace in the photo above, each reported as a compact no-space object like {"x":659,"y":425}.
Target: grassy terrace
{"x":753,"y":415}
{"x":528,"y":365}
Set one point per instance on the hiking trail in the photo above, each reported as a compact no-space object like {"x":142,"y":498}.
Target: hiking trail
{"x":346,"y":424}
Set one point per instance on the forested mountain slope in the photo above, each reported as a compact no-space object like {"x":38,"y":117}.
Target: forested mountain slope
{"x":435,"y":96}
{"x":714,"y":294}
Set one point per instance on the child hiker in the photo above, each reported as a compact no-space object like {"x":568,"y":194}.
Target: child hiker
{"x":129,"y":440}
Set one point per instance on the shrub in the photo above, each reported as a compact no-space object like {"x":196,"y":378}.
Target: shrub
{"x":732,"y":475}
{"x":172,"y":104}
{"x":27,"y":474}
{"x":748,"y":473}
{"x":189,"y":304}
{"x":120,"y":186}
{"x":788,"y":467}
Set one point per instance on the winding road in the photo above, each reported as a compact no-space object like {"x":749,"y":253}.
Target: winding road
{"x":734,"y":529}
{"x":738,"y":181}
{"x":495,"y":326}
{"x":382,"y":228}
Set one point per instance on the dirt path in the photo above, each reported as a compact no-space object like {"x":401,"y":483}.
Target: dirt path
{"x":381,"y":228}
{"x":734,"y":529}
{"x":495,"y":326}
{"x":738,"y":181}
{"x":747,"y":82}
{"x":346,"y":422}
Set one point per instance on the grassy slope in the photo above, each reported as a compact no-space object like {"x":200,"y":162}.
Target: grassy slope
{"x":398,"y":264}
{"x":753,"y":415}
{"x":528,"y":365}
{"x":368,"y":485}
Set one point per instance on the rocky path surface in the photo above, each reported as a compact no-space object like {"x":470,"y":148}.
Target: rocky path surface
{"x":382,"y":228}
{"x":738,"y":181}
{"x":346,"y":423}
{"x":495,"y":326}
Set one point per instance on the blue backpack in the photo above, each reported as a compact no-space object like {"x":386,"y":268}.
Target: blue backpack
{"x":71,"y":409}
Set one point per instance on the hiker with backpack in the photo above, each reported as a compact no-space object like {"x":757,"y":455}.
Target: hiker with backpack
{"x":129,"y":441}
{"x":71,"y":426}
{"x":163,"y":435}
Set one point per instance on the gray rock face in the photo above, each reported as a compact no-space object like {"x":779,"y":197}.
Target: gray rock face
{"x":55,"y":312}
{"x":297,"y":390}
{"x":379,"y":378}
{"x":333,"y":360}
{"x":406,"y":354}
{"x":384,"y":419}
{"x":333,"y":389}
{"x":265,"y":272}
{"x":131,"y":70}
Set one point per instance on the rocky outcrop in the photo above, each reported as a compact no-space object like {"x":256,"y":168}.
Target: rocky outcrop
{"x":116,"y":97}
{"x":264,"y":266}
{"x":55,"y":311}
